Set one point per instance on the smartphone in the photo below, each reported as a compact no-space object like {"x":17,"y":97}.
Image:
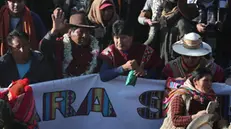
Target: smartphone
{"x":212,"y":107}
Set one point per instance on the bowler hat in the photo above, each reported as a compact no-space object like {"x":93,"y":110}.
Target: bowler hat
{"x":79,"y":20}
{"x":189,"y":11}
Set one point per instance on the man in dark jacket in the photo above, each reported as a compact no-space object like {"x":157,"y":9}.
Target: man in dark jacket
{"x":16,"y":15}
{"x":22,"y":62}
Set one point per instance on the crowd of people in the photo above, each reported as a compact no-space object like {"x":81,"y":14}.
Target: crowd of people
{"x":187,"y":45}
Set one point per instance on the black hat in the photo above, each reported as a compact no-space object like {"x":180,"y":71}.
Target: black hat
{"x":189,"y":11}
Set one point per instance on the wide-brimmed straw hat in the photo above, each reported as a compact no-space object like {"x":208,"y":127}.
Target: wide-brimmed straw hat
{"x":203,"y":122}
{"x":191,"y":45}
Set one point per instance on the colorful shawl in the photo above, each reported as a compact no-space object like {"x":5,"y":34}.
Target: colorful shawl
{"x":189,"y":89}
{"x":21,"y":100}
{"x":28,"y":27}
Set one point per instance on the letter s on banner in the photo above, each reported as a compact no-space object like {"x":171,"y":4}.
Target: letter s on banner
{"x":152,"y":100}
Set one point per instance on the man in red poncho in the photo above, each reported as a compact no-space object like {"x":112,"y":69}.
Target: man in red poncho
{"x":17,"y":106}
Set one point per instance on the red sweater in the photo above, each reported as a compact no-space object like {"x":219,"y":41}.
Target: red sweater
{"x":179,"y":118}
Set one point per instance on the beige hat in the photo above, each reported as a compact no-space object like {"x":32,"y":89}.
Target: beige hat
{"x":203,"y":122}
{"x":192,"y":45}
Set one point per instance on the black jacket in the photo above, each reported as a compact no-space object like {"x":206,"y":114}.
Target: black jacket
{"x":39,"y":70}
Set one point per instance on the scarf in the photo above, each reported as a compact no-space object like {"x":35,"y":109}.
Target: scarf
{"x":95,"y":15}
{"x":187,"y":88}
{"x":28,"y":28}
{"x":68,"y":54}
{"x":188,"y":70}
{"x":120,"y":6}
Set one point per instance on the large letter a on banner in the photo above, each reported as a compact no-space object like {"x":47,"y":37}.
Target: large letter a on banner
{"x":97,"y":100}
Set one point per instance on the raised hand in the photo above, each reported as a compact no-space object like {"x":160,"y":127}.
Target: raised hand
{"x":58,"y":21}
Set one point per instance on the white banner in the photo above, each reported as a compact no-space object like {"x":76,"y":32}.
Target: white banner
{"x":88,"y":103}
